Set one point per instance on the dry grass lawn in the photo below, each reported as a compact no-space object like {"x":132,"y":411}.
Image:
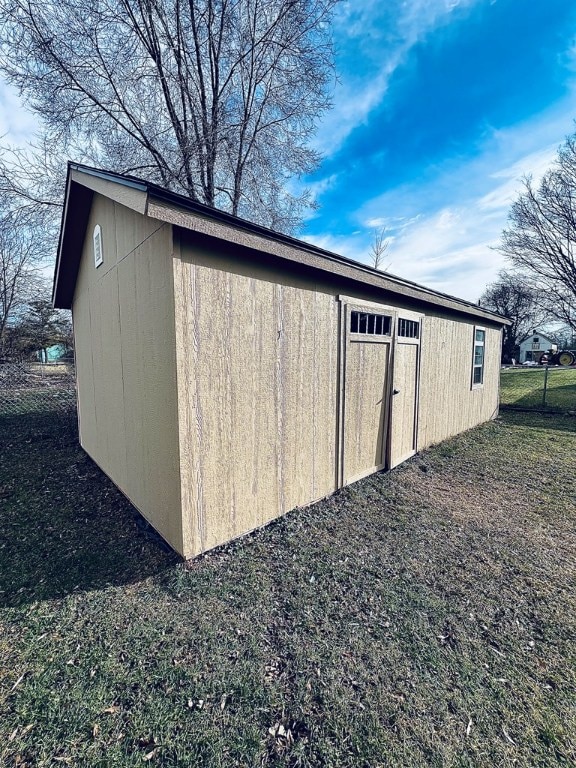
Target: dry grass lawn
{"x":424,"y":617}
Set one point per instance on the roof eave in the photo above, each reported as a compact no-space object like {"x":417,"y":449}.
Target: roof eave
{"x":83,"y":181}
{"x":167,"y":206}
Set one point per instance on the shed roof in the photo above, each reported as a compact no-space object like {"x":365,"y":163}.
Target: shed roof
{"x":159,"y":203}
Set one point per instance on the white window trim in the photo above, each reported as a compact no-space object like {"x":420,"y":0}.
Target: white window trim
{"x":98,"y":246}
{"x":480,"y":384}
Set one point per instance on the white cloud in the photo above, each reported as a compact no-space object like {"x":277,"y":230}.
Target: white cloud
{"x":535,"y":165}
{"x":450,"y":250}
{"x":374,"y":39}
{"x":318,"y":188}
{"x":443,"y":230}
{"x":350,"y":246}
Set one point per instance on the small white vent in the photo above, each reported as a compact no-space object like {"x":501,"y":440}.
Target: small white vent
{"x":98,"y":251}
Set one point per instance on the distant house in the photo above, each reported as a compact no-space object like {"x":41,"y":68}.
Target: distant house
{"x":533,"y":346}
{"x":54,"y":354}
{"x":228,"y":373}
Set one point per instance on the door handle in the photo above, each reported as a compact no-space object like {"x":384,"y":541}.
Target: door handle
{"x":395,"y":391}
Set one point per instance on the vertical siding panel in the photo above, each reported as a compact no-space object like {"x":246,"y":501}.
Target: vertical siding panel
{"x":99,"y":382}
{"x":189,"y":410}
{"x":246,"y":404}
{"x":234,"y":321}
{"x":133,"y":362}
{"x":110,"y":394}
{"x":448,"y":404}
{"x":265,"y":402}
{"x":85,"y":373}
{"x":303,"y":413}
{"x":296,"y":385}
{"x":125,"y":337}
{"x":325,"y":387}
{"x":280,"y":386}
{"x":266,"y":386}
{"x":212,"y":392}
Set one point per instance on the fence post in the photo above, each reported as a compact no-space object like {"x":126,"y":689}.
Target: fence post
{"x":545,"y":386}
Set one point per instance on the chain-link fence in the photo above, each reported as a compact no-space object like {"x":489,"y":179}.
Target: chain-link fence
{"x":545,"y":388}
{"x":35,"y":387}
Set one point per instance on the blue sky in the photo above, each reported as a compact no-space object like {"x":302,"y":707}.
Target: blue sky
{"x":440,"y":109}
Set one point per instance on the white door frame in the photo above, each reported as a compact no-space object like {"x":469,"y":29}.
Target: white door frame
{"x":349,"y":304}
{"x":398,"y":341}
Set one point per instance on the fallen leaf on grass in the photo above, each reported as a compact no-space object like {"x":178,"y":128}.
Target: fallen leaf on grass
{"x":17,"y":683}
{"x":145,"y":742}
{"x":110,"y":710}
{"x":150,"y":755}
{"x":23,"y":732}
{"x":507,"y":736}
{"x":285,"y":735}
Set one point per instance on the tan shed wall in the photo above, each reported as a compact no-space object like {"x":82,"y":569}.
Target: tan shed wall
{"x":209,"y":383}
{"x":448,"y":404}
{"x":124,"y":336}
{"x":258,"y":380}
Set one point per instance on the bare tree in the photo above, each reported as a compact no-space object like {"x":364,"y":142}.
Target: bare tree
{"x":541,"y":236}
{"x":20,"y":260}
{"x":40,"y":327}
{"x":216,"y":99}
{"x":565,"y":337}
{"x":378,"y":247}
{"x":513,"y":296}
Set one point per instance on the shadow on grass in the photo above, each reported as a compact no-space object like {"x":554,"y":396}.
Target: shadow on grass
{"x":64,"y":526}
{"x":525,"y":389}
{"x":538,"y":420}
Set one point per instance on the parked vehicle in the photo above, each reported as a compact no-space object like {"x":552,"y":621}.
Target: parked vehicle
{"x":564,"y":357}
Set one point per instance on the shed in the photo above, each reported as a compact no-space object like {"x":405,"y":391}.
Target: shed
{"x":228,"y":373}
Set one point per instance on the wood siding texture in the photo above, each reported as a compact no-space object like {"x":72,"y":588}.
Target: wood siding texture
{"x":404,"y":403}
{"x":258,"y":382}
{"x":448,"y":403}
{"x":365,"y":411}
{"x":209,"y":382}
{"x":124,"y":334}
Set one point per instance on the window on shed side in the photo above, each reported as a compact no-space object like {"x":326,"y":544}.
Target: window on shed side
{"x":478,"y":357}
{"x":97,"y":243}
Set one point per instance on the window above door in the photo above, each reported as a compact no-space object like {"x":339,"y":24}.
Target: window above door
{"x":370,"y":324}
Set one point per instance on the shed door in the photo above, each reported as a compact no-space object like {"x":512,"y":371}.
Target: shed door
{"x":404,"y":410}
{"x":367,"y":343}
